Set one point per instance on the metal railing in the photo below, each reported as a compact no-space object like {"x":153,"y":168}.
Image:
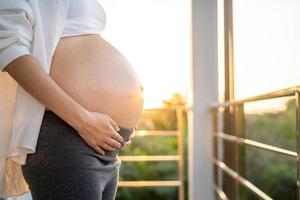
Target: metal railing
{"x":147,"y":113}
{"x":236,"y":109}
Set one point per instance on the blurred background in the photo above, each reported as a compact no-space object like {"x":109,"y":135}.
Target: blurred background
{"x":156,"y":38}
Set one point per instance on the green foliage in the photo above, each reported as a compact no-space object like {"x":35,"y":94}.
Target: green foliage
{"x":273,"y":173}
{"x":154,"y":145}
{"x":147,"y":193}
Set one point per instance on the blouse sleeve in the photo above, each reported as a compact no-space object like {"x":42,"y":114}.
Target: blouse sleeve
{"x":16,"y":30}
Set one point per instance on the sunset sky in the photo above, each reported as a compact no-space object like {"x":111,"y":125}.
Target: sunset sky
{"x":267,"y":46}
{"x":154,"y":35}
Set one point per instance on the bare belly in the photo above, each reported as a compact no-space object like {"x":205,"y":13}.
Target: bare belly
{"x":98,"y":77}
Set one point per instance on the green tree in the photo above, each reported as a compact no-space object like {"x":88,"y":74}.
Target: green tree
{"x":154,"y":145}
{"x":275,"y":174}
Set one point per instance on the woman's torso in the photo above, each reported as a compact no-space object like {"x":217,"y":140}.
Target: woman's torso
{"x":97,"y":76}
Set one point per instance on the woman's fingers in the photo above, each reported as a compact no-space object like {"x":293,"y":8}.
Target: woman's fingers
{"x":115,"y":125}
{"x":132,"y":136}
{"x":116,"y":128}
{"x":129,"y":140}
{"x":115,"y":135}
{"x":127,"y":143}
{"x":108,"y":147}
{"x":99,"y":150}
{"x":100,"y":132}
{"x":112,"y":142}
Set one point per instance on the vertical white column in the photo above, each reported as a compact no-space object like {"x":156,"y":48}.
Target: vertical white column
{"x":204,"y":91}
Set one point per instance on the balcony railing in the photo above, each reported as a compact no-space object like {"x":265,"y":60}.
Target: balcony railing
{"x":147,"y":113}
{"x":237,"y":120}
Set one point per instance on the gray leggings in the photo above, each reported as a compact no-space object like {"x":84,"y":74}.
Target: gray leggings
{"x":64,"y":167}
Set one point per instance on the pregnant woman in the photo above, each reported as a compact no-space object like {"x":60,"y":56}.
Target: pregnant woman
{"x":93,"y":100}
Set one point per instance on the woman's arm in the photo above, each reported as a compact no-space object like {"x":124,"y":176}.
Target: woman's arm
{"x":16,"y":34}
{"x":29,"y":74}
{"x":95,"y":128}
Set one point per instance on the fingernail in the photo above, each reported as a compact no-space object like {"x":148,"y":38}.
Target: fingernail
{"x":118,"y":128}
{"x":103,"y":153}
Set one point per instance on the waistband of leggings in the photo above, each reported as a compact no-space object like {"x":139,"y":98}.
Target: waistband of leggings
{"x":49,"y":114}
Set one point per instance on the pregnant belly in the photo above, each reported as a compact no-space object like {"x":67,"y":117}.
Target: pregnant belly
{"x":97,"y":76}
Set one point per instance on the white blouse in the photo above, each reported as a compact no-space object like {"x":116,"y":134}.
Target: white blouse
{"x":84,"y":17}
{"x":26,"y":27}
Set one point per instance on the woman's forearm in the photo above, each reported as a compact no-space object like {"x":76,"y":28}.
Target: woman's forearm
{"x":27,"y":71}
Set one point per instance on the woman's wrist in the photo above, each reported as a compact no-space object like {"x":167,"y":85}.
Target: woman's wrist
{"x":79,"y":117}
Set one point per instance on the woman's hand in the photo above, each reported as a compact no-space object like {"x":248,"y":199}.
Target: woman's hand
{"x":130,"y":137}
{"x":129,"y":140}
{"x":99,"y":131}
